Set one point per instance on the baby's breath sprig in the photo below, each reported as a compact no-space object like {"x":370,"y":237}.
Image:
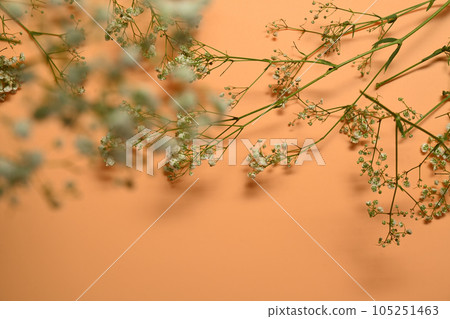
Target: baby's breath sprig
{"x":18,"y":171}
{"x":194,"y":60}
{"x":10,"y":75}
{"x":361,"y":124}
{"x":5,"y":34}
{"x":60,"y":50}
{"x":161,"y":32}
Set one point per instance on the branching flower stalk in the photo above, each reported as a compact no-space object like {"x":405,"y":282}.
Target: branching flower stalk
{"x":357,"y":122}
{"x":162,"y":33}
{"x":66,"y":50}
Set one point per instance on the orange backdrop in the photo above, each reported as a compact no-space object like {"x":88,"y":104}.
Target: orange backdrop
{"x":226,"y":239}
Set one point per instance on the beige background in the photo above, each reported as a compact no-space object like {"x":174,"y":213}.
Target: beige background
{"x":226,"y":239}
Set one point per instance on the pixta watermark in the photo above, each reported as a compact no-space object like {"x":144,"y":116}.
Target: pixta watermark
{"x":224,"y":150}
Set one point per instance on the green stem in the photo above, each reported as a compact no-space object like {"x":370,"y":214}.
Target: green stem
{"x":397,"y":116}
{"x":32,"y":35}
{"x":429,"y":112}
{"x":435,"y":53}
{"x":6,"y":39}
{"x":396,"y":179}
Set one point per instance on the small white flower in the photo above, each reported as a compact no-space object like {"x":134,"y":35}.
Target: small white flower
{"x":110,"y":161}
{"x":425,"y":147}
{"x":173,"y":162}
{"x":183,"y":135}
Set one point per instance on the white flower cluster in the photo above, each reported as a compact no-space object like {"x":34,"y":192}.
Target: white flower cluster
{"x":439,"y":155}
{"x":109,"y":148}
{"x":375,"y":170}
{"x":180,"y":156}
{"x":433,"y":200}
{"x":283,"y":74}
{"x":258,"y":161}
{"x":312,"y":112}
{"x":186,"y":10}
{"x":184,"y":68}
{"x":122,"y":18}
{"x":19,"y":171}
{"x":183,"y":157}
{"x":358,"y":125}
{"x":181,"y":153}
{"x":10,"y":69}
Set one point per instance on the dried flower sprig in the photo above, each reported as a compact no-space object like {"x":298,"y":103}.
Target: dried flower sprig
{"x":161,"y":32}
{"x":361,"y":124}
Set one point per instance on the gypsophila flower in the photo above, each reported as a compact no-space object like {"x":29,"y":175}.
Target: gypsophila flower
{"x":425,"y":147}
{"x":10,"y":75}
